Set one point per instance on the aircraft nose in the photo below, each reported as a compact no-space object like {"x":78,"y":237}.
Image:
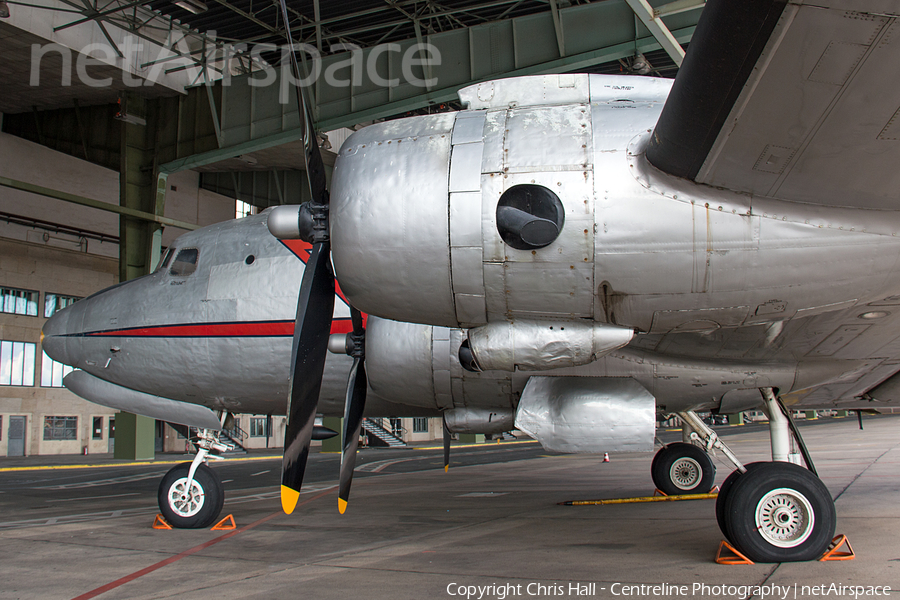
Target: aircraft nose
{"x":54,"y":336}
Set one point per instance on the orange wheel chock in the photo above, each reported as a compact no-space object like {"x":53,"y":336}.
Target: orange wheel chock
{"x":735,"y":558}
{"x":225,"y":524}
{"x":659,"y":492}
{"x":832,"y":552}
{"x":160,"y":523}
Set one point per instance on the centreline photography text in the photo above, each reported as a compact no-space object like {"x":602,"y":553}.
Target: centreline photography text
{"x":534,"y":589}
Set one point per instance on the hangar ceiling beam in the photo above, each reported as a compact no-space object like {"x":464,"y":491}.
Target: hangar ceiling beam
{"x":373,"y":83}
{"x":90,"y":202}
{"x":652,"y":20}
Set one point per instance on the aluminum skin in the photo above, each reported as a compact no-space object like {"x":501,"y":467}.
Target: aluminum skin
{"x":698,"y":272}
{"x":587,"y":414}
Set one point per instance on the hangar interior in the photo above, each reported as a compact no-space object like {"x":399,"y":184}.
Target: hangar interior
{"x":125,"y":124}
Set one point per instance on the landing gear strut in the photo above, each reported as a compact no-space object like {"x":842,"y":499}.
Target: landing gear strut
{"x":190,"y":495}
{"x":777,"y":511}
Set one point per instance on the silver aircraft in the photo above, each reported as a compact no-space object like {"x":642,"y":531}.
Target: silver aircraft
{"x":209,"y":333}
{"x":576,"y":255}
{"x":724,"y":242}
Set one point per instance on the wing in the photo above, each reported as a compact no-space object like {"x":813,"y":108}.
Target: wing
{"x":789,"y":100}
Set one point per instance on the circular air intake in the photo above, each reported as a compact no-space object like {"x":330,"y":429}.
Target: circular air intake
{"x":529,"y":216}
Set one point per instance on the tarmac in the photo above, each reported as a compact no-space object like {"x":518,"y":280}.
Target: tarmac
{"x":490,"y":528}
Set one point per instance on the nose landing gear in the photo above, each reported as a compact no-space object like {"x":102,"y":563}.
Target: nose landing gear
{"x":191,"y":495}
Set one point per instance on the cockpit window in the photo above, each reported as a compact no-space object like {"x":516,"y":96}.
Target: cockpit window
{"x":166,"y":259}
{"x":185,"y":263}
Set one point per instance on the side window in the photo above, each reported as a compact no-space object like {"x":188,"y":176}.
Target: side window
{"x":185,"y":263}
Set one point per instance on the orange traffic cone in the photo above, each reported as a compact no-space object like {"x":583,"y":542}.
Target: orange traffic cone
{"x":606,"y":457}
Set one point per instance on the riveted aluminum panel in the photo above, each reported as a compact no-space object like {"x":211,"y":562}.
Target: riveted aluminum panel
{"x":495,"y":290}
{"x":467,"y":270}
{"x":527,"y":91}
{"x":702,"y":320}
{"x":115,"y":396}
{"x":400,"y":225}
{"x":479,"y":420}
{"x":555,"y":280}
{"x":400,"y":361}
{"x":494,"y":138}
{"x":468,"y":128}
{"x":470,"y":309}
{"x":548,"y":138}
{"x":588,"y":414}
{"x":465,"y":168}
{"x":605,"y":88}
{"x":465,"y":219}
{"x":440,"y":366}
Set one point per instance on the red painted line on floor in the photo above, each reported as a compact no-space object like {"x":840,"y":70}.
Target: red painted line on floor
{"x":128,"y":578}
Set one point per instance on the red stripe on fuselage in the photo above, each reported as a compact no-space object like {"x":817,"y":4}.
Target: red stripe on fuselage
{"x":232,"y":330}
{"x":301,"y":250}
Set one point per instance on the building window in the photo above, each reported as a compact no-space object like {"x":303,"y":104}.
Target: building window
{"x":60,"y":428}
{"x":420,"y":424}
{"x":243,"y":209}
{"x":17,"y":363}
{"x":258,"y":427}
{"x":52,"y":372}
{"x":98,"y":428}
{"x":55,"y":302}
{"x":18,"y":302}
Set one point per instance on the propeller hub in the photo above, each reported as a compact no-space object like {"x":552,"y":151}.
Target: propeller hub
{"x":307,"y":222}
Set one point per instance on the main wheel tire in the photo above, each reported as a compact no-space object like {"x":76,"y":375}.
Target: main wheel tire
{"x":195,"y":508}
{"x":682,"y":468}
{"x":780,"y":512}
{"x":722,"y":498}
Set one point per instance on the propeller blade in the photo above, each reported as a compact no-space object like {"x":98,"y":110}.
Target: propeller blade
{"x":315,"y":307}
{"x":446,"y":445}
{"x":353,"y":417}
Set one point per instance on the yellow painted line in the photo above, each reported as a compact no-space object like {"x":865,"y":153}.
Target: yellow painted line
{"x":641,"y":499}
{"x":488,"y":444}
{"x":128,"y":464}
{"x":240,"y":459}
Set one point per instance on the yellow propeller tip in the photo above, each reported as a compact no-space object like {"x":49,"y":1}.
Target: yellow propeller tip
{"x":342,"y":505}
{"x":446,"y":468}
{"x":289,"y":498}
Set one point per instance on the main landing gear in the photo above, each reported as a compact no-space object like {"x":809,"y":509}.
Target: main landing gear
{"x":190,"y":495}
{"x":770,"y":511}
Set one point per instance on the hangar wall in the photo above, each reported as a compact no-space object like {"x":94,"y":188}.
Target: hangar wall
{"x":38,"y":264}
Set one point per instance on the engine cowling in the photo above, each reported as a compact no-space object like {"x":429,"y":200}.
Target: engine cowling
{"x":460,"y":219}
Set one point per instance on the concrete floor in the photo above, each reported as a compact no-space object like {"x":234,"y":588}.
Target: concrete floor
{"x":412,"y":531}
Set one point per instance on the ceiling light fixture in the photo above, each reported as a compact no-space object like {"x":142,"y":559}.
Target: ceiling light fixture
{"x":194,"y":6}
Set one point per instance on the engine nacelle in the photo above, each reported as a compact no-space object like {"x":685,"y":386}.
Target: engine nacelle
{"x":541,"y":345}
{"x":461,"y":219}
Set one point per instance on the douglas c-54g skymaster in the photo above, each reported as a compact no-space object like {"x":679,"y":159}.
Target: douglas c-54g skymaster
{"x":598,"y":250}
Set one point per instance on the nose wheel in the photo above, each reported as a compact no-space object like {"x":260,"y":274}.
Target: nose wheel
{"x":194,"y":503}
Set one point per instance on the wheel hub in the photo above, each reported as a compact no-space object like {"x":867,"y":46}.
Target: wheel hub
{"x":784,"y":518}
{"x":685,"y":473}
{"x":185,"y":501}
